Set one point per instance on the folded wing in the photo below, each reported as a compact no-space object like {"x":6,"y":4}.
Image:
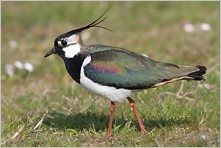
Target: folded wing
{"x":121,"y":68}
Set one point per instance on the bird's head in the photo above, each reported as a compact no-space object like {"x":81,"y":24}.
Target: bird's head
{"x":69,"y":44}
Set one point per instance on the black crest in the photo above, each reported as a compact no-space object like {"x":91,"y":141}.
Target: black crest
{"x":95,"y":23}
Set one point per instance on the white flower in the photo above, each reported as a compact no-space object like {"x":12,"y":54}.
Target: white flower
{"x":28,"y":67}
{"x":204,"y":137}
{"x":205,"y":27}
{"x":13,"y":44}
{"x":19,"y":65}
{"x":188,"y":27}
{"x":9,"y":69}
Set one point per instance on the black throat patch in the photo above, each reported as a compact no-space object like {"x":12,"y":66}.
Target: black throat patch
{"x":73,"y":66}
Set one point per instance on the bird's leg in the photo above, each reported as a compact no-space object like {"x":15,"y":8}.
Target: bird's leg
{"x":132,"y":104}
{"x":112,"y":109}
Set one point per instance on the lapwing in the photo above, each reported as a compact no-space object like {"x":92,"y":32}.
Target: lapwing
{"x":114,"y":72}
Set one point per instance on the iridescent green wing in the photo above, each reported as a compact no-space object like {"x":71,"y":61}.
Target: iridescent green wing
{"x":120,"y":68}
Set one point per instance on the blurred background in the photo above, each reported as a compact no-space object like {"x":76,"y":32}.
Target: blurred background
{"x":42,"y":106}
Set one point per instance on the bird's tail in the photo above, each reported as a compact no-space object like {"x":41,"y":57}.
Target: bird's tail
{"x":184,"y":73}
{"x":198,"y":75}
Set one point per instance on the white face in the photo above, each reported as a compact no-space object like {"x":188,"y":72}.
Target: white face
{"x":72,"y":50}
{"x":72,"y":46}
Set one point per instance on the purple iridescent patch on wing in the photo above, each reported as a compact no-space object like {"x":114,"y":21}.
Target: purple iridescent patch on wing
{"x":105,"y":68}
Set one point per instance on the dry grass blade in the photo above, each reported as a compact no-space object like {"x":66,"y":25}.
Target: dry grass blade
{"x":17,"y":133}
{"x":158,"y":144}
{"x":40,"y":122}
{"x":181,"y":89}
{"x":178,"y":96}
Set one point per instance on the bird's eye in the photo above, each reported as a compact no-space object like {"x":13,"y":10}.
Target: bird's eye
{"x":63,"y":42}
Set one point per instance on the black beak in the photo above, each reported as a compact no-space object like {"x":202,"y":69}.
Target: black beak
{"x":52,"y":51}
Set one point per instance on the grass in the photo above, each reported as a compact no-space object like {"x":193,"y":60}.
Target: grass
{"x":46,"y":108}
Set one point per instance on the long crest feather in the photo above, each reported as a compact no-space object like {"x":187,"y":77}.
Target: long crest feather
{"x":92,"y":24}
{"x":96,"y":22}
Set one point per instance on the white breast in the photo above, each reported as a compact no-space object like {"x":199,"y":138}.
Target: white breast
{"x":111,"y":93}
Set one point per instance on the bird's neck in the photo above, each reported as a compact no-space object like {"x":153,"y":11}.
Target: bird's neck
{"x":73,"y":66}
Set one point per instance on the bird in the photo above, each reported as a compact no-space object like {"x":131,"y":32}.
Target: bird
{"x":114,"y":72}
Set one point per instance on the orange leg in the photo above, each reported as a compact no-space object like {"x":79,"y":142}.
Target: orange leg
{"x":132,"y":104}
{"x":112,"y":109}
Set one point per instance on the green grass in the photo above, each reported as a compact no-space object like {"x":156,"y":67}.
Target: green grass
{"x":46,"y":108}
